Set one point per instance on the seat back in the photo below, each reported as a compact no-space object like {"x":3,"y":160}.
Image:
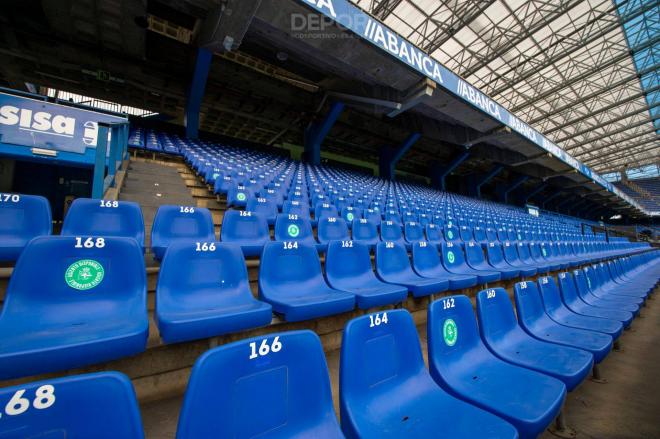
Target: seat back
{"x":426,"y":259}
{"x":379,"y":352}
{"x":474,"y":255}
{"x":325,"y":210}
{"x":549,"y":294}
{"x":257,"y":386}
{"x":452,"y":332}
{"x":266,"y":207}
{"x":22,"y":217}
{"x":390,"y":231}
{"x":96,"y":405}
{"x":332,"y":228}
{"x":495,"y":254}
{"x":433,"y":233}
{"x":244,"y":227}
{"x":350,"y":213}
{"x":510,"y":252}
{"x":293,"y":207}
{"x":495,"y":315}
{"x":199,"y":266}
{"x":293,"y":227}
{"x":452,"y":234}
{"x":181,"y":223}
{"x":348,"y":262}
{"x":365,"y":231}
{"x":452,"y":256}
{"x":529,"y":304}
{"x":466,"y":233}
{"x":79,"y":278}
{"x":286,"y":264}
{"x":414,"y":232}
{"x":104,"y":218}
{"x":567,"y":287}
{"x":391,"y":258}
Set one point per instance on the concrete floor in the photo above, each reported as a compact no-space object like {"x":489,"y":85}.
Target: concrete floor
{"x":626,"y":407}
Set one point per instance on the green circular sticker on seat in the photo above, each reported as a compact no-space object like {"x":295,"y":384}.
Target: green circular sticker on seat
{"x":450,"y":332}
{"x":216,"y":175}
{"x":450,"y":234}
{"x":450,"y":257}
{"x":293,"y":230}
{"x":240,"y":196}
{"x":545,"y":253}
{"x":349,"y":216}
{"x":84,"y":274}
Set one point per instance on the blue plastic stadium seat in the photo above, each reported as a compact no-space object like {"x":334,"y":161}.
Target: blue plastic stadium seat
{"x":350,"y":214}
{"x":573,"y":302}
{"x":290,"y":279}
{"x":324,"y":210}
{"x":180,"y":224}
{"x":496,"y":260}
{"x":203,"y":291}
{"x":584,"y":291}
{"x":296,"y":208}
{"x":511,"y":257}
{"x":247,"y":229}
{"x":474,"y":258}
{"x":22,"y":217}
{"x":433,"y":234}
{"x":238,"y":195}
{"x":104,"y":218}
{"x":461,"y":364}
{"x":348,"y":268}
{"x":365,"y":231}
{"x":386,"y":391}
{"x":413,"y":232}
{"x":452,"y":234}
{"x":453,"y":259}
{"x":558,"y":312}
{"x":271,"y":387}
{"x":501,"y":333}
{"x":393,"y":266}
{"x":426,"y":262}
{"x":73,"y":301}
{"x":97,"y":405}
{"x":331,"y":228}
{"x":533,"y":319}
{"x":391,"y":231}
{"x":293,"y":227}
{"x":266,"y":207}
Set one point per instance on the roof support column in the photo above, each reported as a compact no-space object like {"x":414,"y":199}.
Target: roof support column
{"x":389,"y":157}
{"x":316,"y":133}
{"x":439,"y":174}
{"x":196,"y":92}
{"x":506,"y":190}
{"x":479,"y":181}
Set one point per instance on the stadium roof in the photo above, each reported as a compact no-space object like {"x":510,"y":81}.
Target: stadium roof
{"x":582,"y":72}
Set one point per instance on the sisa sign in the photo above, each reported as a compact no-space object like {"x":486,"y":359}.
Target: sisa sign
{"x":34,"y":123}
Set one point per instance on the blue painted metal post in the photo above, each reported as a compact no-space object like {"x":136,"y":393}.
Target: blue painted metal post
{"x":99,"y":163}
{"x":196,"y":92}
{"x":316,"y":133}
{"x":124,"y":144}
{"x":535,"y":191}
{"x":389,"y":158}
{"x":112,"y":158}
{"x":442,"y":174}
{"x":516,"y":183}
{"x":488,"y":177}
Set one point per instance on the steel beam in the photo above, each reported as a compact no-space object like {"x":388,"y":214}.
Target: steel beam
{"x":316,"y":133}
{"x":488,"y":177}
{"x":389,"y":157}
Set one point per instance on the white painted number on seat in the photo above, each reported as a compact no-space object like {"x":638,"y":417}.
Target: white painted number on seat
{"x":44,"y":397}
{"x":264,"y":348}
{"x":377,"y":319}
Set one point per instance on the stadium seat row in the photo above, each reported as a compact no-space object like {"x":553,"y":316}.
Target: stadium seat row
{"x":88,"y":302}
{"x":505,"y":377}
